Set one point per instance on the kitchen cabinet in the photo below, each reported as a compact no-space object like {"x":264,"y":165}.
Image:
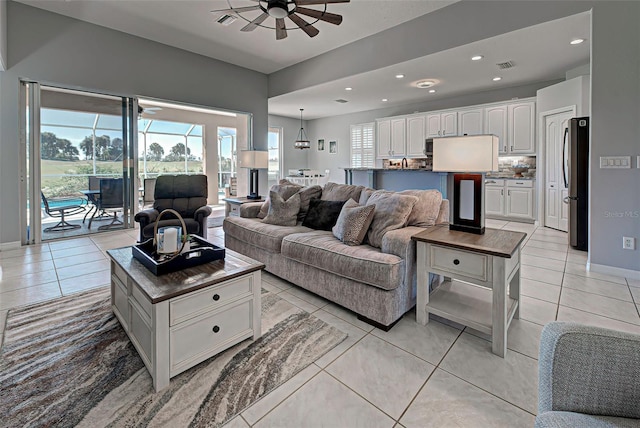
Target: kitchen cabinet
{"x":416,"y":131}
{"x":470,"y":122}
{"x":494,"y":197}
{"x":495,"y":122}
{"x":391,"y":138}
{"x":512,"y":199}
{"x":522,"y":119}
{"x":442,"y":124}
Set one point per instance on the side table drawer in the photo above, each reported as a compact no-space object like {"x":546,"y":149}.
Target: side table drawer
{"x":459,"y":262}
{"x":198,"y":339}
{"x":234,"y":210}
{"x":209,"y":298}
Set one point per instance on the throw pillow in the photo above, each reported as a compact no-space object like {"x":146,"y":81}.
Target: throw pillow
{"x":306,"y":194}
{"x":353,"y":222}
{"x":426,"y":210}
{"x":322,"y":215}
{"x":340,"y":192}
{"x":365,"y":195}
{"x":281,"y":212}
{"x":392,"y":212}
{"x":284,"y":190}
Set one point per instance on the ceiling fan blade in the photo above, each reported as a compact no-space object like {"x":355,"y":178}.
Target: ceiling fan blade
{"x":281,"y":29}
{"x":304,"y":25}
{"x":331,"y":18}
{"x":309,"y":2}
{"x":254,"y":24}
{"x":237,"y":9}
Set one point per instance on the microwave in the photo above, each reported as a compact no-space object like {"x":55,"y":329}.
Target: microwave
{"x":428,"y":146}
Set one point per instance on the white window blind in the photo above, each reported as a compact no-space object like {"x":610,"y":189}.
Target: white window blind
{"x":362,"y":150}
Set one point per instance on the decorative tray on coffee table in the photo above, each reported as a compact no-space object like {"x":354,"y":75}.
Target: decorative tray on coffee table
{"x":200,"y":251}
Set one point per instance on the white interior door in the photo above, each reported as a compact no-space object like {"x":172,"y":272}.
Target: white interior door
{"x":555,"y":127}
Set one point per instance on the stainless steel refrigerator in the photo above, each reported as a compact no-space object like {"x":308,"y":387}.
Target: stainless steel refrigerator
{"x":576,"y":178}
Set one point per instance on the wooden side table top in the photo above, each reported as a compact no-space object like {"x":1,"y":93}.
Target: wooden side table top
{"x":495,"y":242}
{"x":164,"y":287}
{"x":243,"y":200}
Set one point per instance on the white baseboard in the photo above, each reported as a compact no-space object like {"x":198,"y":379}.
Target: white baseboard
{"x":615,"y":271}
{"x":8,"y":246}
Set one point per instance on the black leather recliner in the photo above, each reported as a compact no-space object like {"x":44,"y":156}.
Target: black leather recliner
{"x":186,"y":194}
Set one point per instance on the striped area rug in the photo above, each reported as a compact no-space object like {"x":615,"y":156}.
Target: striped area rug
{"x":67,"y":362}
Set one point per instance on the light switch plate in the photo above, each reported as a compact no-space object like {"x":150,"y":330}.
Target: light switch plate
{"x":615,"y":162}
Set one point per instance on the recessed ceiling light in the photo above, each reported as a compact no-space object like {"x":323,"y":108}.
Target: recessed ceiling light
{"x":495,"y":79}
{"x":348,"y":89}
{"x":384,"y":100}
{"x":576,"y":41}
{"x":476,"y":57}
{"x":425,"y":84}
{"x":432,"y":91}
{"x":399,"y":76}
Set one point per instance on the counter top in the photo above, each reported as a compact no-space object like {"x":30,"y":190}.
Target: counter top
{"x":390,"y":169}
{"x":510,"y":177}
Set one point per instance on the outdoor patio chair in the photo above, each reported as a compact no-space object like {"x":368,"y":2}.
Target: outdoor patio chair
{"x":60,"y":212}
{"x":111,"y":200}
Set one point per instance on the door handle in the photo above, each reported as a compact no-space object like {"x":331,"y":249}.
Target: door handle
{"x":565,"y":199}
{"x":564,"y":144}
{"x":552,"y":186}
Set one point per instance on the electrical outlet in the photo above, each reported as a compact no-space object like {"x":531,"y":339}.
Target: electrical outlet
{"x":628,"y":243}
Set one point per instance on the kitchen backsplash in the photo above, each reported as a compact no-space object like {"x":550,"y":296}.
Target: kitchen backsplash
{"x":419,"y":163}
{"x":506,"y":164}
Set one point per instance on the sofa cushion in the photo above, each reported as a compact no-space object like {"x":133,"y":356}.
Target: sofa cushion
{"x":392,"y":212}
{"x":284,"y":190}
{"x":353,"y":222}
{"x":361,"y":263}
{"x":322,"y":215}
{"x":281,"y":212}
{"x":255,"y":232}
{"x":340,"y":192}
{"x":425,"y":211}
{"x":365,"y":195}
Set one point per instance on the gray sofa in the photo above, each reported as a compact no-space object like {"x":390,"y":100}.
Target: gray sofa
{"x":588,"y":377}
{"x":379,"y":284}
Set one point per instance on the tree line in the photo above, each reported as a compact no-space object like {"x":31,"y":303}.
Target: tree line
{"x":106,"y":149}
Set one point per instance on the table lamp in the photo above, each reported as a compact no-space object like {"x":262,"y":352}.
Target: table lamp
{"x":254,"y":160}
{"x":469,"y":157}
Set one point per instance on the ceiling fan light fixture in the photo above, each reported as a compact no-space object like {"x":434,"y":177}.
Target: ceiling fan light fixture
{"x":302,"y":142}
{"x":423,"y":84}
{"x":278,"y":9}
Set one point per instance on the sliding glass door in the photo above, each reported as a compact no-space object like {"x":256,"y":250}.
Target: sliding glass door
{"x":78,"y":147}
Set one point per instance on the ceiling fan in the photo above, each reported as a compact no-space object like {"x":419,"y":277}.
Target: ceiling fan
{"x":281,"y":9}
{"x":148,"y":110}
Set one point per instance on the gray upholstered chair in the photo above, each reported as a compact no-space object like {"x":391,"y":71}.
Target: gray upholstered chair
{"x":588,"y":377}
{"x":186,"y":194}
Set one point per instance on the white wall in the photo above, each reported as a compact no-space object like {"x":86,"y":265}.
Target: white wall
{"x":574,"y":92}
{"x":52,"y":48}
{"x":291,"y":158}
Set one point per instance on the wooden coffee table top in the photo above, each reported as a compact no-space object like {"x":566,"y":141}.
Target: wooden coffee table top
{"x":495,"y":242}
{"x":164,"y":287}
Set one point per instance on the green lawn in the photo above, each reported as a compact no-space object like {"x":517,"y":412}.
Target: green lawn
{"x":68,"y":178}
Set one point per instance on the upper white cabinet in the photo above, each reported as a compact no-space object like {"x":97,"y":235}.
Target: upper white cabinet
{"x":391,"y":138}
{"x":522,"y":119}
{"x":416,"y":131}
{"x":442,"y":124}
{"x":512,"y":122}
{"x":495,"y":122}
{"x":470,"y":122}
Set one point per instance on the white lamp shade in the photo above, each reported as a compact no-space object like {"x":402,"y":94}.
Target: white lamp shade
{"x":254,"y":159}
{"x":471,"y":153}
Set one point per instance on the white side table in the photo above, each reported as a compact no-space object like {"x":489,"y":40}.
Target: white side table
{"x":481,"y":279}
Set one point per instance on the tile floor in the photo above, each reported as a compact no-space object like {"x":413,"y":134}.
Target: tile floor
{"x":412,"y":376}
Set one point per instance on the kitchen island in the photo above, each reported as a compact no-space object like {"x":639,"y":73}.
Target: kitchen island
{"x":397,"y":179}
